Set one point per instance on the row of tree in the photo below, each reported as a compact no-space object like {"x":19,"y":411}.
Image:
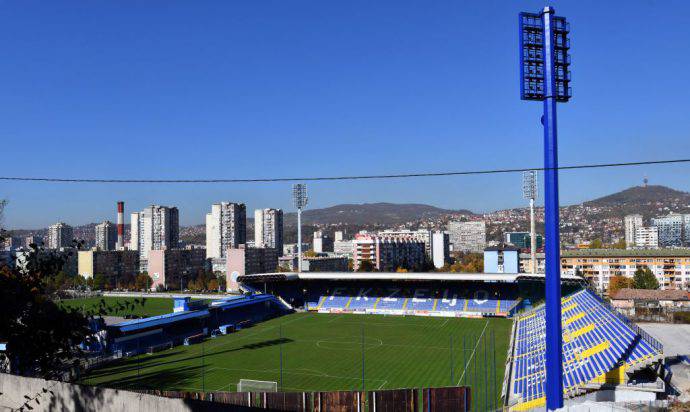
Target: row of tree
{"x":643,"y":279}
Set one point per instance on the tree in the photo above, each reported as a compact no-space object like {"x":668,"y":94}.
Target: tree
{"x":213,"y":285}
{"x":645,"y":279}
{"x":142,"y":282}
{"x":366,"y":266}
{"x":619,"y":282}
{"x":468,"y":263}
{"x":98,"y":282}
{"x":620,"y":244}
{"x":310,"y":253}
{"x":596,"y":244}
{"x":41,"y":337}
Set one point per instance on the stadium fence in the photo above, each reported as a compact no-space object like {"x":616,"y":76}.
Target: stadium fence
{"x":457,"y":398}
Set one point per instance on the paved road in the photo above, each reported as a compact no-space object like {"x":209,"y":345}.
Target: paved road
{"x":674,"y":337}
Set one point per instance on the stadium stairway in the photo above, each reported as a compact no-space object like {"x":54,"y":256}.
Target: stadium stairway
{"x":600,"y":346}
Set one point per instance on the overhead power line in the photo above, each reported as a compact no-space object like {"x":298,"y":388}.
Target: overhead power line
{"x":360,"y":177}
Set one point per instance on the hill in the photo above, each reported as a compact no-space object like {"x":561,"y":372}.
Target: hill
{"x":648,"y":201}
{"x":373,"y":213}
{"x":641,"y":195}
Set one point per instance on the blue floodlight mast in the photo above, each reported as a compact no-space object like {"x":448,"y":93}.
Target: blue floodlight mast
{"x":544,"y":76}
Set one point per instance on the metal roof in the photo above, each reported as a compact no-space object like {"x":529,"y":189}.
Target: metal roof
{"x":626,"y":253}
{"x":410,"y":276}
{"x":136,"y":324}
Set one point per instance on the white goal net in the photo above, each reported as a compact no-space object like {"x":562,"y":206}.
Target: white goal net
{"x":249,"y":385}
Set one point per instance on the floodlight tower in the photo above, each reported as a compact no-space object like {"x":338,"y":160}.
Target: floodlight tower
{"x":544,"y":76}
{"x":299,"y":196}
{"x":529,"y":191}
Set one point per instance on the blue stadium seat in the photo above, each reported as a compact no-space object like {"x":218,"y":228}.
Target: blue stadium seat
{"x":599,"y":346}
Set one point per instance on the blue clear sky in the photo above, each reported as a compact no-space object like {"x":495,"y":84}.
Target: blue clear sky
{"x":179,"y":89}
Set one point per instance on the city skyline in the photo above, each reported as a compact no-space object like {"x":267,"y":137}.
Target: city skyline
{"x":214,"y":91}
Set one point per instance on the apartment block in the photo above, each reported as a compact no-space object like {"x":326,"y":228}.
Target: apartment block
{"x":172,"y":269}
{"x":155,"y":228}
{"x":671,"y":267}
{"x":106,"y":236}
{"x":60,"y":235}
{"x":467,"y":236}
{"x":113,"y":264}
{"x":268,"y":228}
{"x":387,"y":253}
{"x":226,"y":228}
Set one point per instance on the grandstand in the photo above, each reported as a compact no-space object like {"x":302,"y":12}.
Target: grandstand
{"x":189,"y":322}
{"x":601,"y":349}
{"x":416,"y":294}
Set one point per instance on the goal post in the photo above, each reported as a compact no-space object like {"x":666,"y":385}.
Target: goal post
{"x":250,"y":385}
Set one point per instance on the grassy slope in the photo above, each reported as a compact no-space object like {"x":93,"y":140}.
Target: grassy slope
{"x":323,"y":352}
{"x":152,"y":306}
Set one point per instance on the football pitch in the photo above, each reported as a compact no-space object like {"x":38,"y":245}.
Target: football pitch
{"x":324,"y":352}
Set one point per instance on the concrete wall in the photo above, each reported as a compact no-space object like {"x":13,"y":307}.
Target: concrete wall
{"x":70,"y":397}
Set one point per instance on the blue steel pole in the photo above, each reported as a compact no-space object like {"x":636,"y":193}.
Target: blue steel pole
{"x":554,"y":367}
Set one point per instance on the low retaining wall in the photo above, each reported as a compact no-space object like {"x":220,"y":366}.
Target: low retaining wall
{"x":46,"y":395}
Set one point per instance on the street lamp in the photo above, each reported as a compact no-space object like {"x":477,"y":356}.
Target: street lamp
{"x":300,"y":199}
{"x":544,"y":76}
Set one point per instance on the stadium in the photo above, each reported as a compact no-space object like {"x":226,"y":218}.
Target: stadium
{"x":309,"y":332}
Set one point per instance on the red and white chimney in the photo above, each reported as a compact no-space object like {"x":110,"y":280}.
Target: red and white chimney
{"x":120,"y":225}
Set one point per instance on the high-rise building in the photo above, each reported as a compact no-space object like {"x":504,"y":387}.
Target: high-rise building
{"x":631,"y":222}
{"x":155,"y":228}
{"x":268,"y":228}
{"x":647,"y":237}
{"x":386,"y":254}
{"x":60,"y":235}
{"x":468,"y":236}
{"x":226,"y":228}
{"x":322,"y":243}
{"x":106,"y":236}
{"x":670,"y":229}
{"x":440,"y":249}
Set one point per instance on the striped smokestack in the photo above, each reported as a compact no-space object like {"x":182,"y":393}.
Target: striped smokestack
{"x":120,"y":225}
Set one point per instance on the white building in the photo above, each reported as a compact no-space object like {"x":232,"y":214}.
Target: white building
{"x":154,"y":228}
{"x":268,"y":228}
{"x":468,"y":236}
{"x":322,"y":243}
{"x":670,"y":229}
{"x":631,"y":222}
{"x":440,"y":249}
{"x":60,"y":235}
{"x":647,"y":237}
{"x":226,"y":228}
{"x":106,"y":236}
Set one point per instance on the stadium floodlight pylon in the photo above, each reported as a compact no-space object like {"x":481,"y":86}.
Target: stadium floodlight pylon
{"x":544,"y":76}
{"x":250,"y":385}
{"x":529,"y":192}
{"x":300,"y":198}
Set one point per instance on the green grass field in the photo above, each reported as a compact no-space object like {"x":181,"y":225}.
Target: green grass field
{"x":324,"y":352}
{"x":151,"y":307}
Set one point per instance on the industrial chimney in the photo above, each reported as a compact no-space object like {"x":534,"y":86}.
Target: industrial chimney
{"x":120,"y":225}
